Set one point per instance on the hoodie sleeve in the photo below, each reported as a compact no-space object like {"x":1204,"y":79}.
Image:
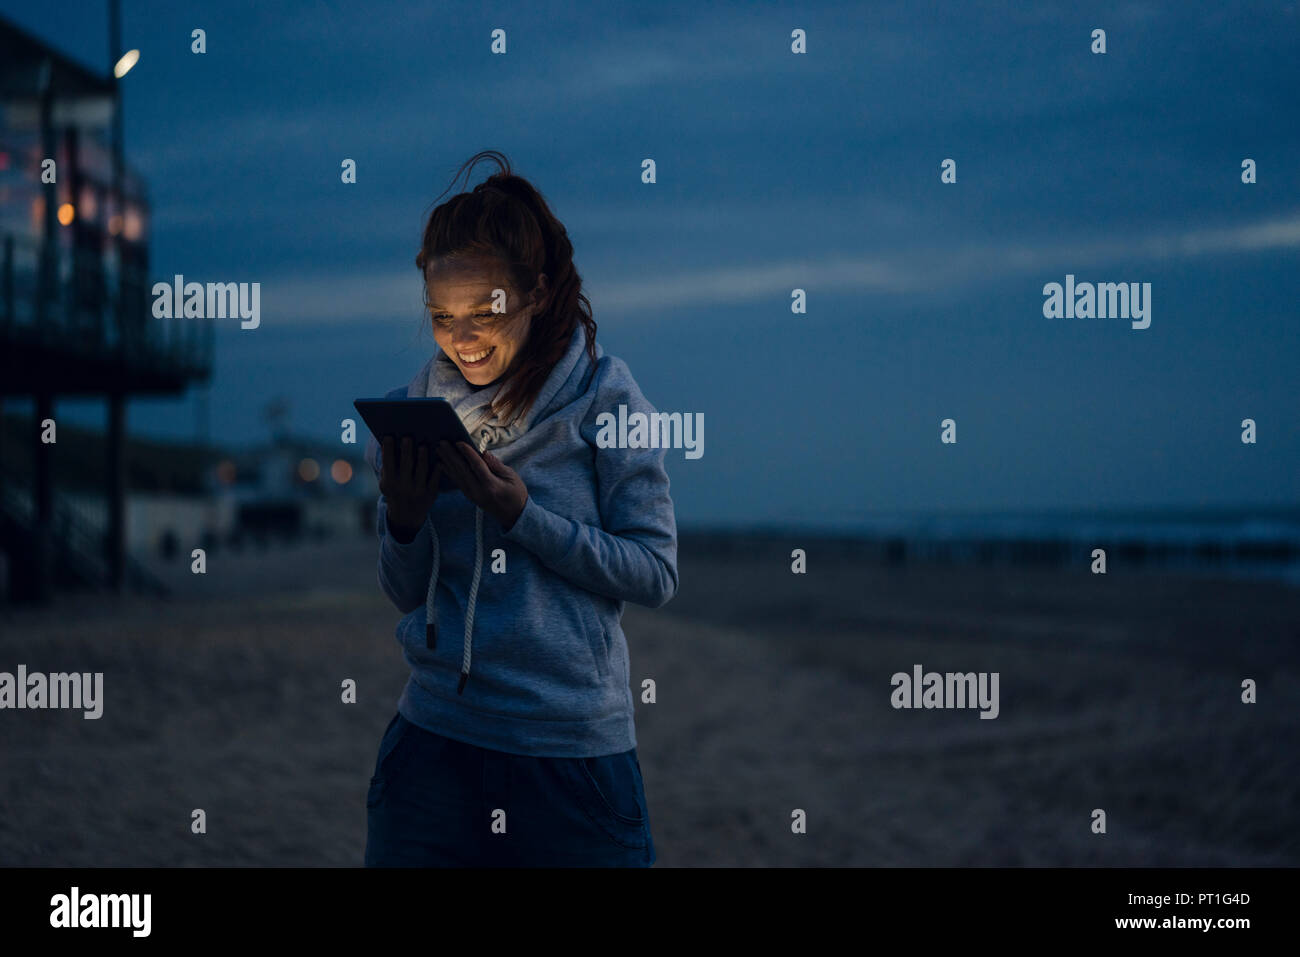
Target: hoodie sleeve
{"x":632,"y":556}
{"x":404,"y":569}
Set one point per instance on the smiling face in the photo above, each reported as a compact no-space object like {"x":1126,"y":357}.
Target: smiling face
{"x":483,"y":344}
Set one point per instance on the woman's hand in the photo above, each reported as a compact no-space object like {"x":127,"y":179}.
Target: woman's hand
{"x":486,"y":481}
{"x":409,"y":486}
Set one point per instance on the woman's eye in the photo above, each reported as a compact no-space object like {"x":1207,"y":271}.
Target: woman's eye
{"x":443,"y":318}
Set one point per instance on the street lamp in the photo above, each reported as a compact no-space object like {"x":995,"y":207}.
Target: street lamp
{"x":128,"y":60}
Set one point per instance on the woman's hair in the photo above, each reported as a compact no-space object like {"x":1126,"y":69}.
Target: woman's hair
{"x":506,"y":219}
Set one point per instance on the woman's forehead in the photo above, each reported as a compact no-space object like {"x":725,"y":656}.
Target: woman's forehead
{"x":474,"y":289}
{"x":459,"y":273}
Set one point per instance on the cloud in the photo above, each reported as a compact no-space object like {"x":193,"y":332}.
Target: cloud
{"x":920,"y":271}
{"x":394,"y":295}
{"x":338,"y":298}
{"x":386,"y":117}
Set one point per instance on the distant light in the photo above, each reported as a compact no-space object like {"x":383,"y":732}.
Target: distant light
{"x":226,"y":472}
{"x":341,"y":471}
{"x":308,"y":470}
{"x":67,"y":213}
{"x":4,"y":160}
{"x":115,"y":224}
{"x":129,"y":59}
{"x":134,"y":225}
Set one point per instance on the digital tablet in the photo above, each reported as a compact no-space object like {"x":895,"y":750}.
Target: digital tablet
{"x":425,"y":420}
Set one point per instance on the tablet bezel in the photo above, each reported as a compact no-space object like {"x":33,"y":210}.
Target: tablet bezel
{"x":400,"y":417}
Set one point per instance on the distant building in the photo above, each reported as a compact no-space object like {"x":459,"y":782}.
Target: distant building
{"x":294,"y":487}
{"x":75,"y":308}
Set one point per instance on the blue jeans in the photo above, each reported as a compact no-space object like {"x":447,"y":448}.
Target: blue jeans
{"x":438,"y":802}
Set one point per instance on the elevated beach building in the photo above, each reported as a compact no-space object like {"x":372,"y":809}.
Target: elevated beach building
{"x":75,"y":305}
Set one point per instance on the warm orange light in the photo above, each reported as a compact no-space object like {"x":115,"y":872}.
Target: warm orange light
{"x":341,"y":471}
{"x":308,"y":470}
{"x":115,"y":224}
{"x":67,"y":214}
{"x":134,"y":224}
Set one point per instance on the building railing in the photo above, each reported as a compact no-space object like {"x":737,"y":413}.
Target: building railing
{"x":79,"y":531}
{"x":74,"y":309}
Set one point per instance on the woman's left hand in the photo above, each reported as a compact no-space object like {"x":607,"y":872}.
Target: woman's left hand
{"x":486,"y":481}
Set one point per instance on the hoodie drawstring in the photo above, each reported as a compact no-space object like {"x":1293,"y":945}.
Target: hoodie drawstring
{"x":473,"y":597}
{"x":430,"y":607}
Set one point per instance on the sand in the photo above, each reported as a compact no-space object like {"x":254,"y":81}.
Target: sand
{"x":1119,"y":692}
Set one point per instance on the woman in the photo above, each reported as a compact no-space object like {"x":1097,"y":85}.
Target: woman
{"x":514,"y":742}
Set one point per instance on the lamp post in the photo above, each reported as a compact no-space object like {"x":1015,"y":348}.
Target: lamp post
{"x":115,"y":537}
{"x":115,"y":58}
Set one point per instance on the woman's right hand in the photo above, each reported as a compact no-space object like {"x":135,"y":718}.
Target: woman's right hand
{"x":409,"y":488}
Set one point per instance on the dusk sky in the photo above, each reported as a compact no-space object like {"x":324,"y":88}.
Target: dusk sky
{"x":776,"y":171}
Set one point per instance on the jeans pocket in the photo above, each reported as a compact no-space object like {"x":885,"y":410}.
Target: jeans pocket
{"x":610,"y":791}
{"x":392,"y":756}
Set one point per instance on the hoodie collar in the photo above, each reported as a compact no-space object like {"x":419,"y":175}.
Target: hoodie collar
{"x":439,"y":377}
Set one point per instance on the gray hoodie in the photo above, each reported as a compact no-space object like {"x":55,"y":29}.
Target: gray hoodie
{"x":541,"y":605}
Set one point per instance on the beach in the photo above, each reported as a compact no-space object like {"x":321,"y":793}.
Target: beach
{"x":1120,"y":692}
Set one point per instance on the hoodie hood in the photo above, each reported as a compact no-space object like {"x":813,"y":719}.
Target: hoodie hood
{"x":440,"y":377}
